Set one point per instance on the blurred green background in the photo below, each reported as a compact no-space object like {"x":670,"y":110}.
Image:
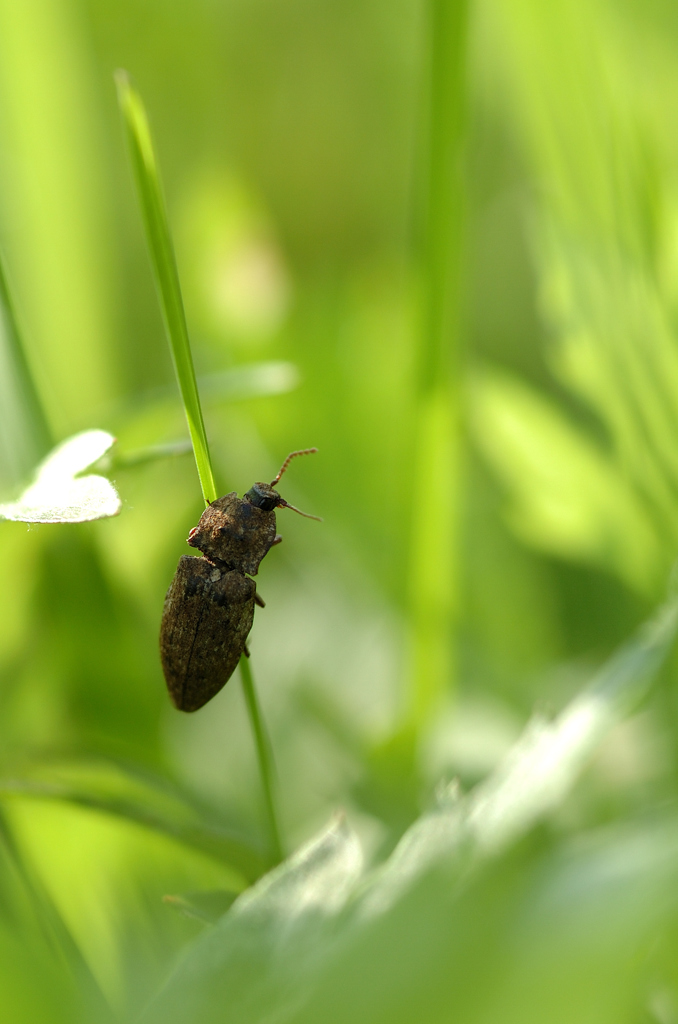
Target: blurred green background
{"x":438,"y":240}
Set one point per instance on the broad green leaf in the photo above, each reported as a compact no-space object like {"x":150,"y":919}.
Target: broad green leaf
{"x":540,"y":768}
{"x":453,"y":929}
{"x":567,"y":496}
{"x":540,"y":935}
{"x":273,"y":935}
{"x":58,"y":494}
{"x":268,"y":953}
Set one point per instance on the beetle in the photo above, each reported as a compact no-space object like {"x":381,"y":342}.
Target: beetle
{"x":209,"y":606}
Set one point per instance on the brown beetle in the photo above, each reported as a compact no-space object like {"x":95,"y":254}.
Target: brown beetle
{"x":209,"y":606}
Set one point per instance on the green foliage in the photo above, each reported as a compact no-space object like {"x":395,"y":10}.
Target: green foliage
{"x":440,"y":244}
{"x":569,"y":497}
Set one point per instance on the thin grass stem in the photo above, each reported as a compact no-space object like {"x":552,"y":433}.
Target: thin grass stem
{"x":167,"y":281}
{"x":165,"y":269}
{"x":264,"y":756}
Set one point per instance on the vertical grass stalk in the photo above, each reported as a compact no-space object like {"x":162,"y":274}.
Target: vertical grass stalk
{"x":264,"y":756}
{"x":165,"y":269}
{"x":433,"y":551}
{"x":167,"y":280}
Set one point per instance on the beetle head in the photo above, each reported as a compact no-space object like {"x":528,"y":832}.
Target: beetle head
{"x":265,"y":497}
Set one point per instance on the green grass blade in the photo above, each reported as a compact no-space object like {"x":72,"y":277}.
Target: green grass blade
{"x":167,"y":280}
{"x":165,"y":269}
{"x":264,"y":758}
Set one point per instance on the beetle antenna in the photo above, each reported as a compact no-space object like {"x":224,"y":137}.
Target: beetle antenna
{"x":293,"y":455}
{"x":286,"y":504}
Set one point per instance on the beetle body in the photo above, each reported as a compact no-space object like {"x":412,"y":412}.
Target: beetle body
{"x":207,"y":616}
{"x":209,"y":606}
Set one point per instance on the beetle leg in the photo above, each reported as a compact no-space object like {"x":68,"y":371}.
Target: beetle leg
{"x":245,"y":651}
{"x":278,"y":539}
{"x":259,"y":600}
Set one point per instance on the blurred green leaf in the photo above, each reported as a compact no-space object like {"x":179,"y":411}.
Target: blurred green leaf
{"x":616,"y":348}
{"x":59,"y":495}
{"x":151,"y":453}
{"x":603,"y":233}
{"x":54,"y":192}
{"x":567,"y":495}
{"x":251,"y":381}
{"x":53,"y":931}
{"x":206,"y":906}
{"x":530,"y":937}
{"x":137,"y":797}
{"x":253,"y":959}
{"x":538,"y":771}
{"x":239,"y":383}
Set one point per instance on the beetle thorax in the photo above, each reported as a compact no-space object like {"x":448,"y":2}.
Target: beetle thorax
{"x":235,"y":533}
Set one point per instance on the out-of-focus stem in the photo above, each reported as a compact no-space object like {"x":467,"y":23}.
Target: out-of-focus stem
{"x":434,"y":573}
{"x":25,"y":436}
{"x":264,"y":757}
